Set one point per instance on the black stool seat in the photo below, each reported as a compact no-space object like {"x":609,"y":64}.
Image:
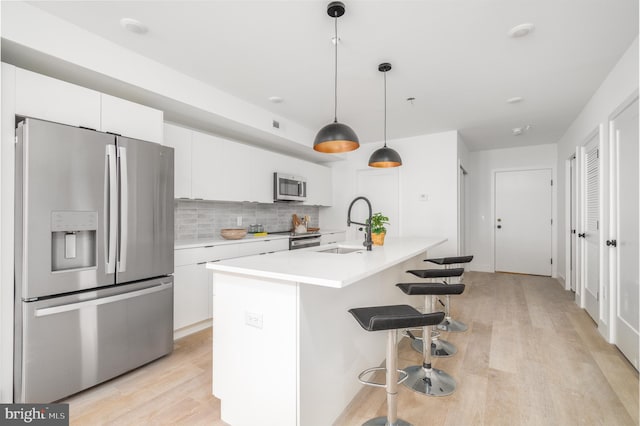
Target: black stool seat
{"x":450,"y":260}
{"x":437,"y":273}
{"x":430,"y":288}
{"x":391,"y":317}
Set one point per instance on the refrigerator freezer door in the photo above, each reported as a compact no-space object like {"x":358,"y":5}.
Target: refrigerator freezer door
{"x":62,"y":189}
{"x":146,"y":233}
{"x":71,"y":343}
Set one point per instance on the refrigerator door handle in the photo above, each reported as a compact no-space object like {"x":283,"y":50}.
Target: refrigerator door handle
{"x":124,"y":209}
{"x":43,"y":312}
{"x":111,"y":209}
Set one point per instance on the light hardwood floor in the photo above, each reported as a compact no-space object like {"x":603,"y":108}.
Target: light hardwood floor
{"x":530,"y":357}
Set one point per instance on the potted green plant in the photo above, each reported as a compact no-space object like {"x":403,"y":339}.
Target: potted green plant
{"x":378,"y":231}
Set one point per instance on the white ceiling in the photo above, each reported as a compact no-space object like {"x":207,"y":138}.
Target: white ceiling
{"x":453,"y":56}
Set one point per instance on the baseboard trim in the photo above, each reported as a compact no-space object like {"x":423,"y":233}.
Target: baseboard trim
{"x":193,"y":328}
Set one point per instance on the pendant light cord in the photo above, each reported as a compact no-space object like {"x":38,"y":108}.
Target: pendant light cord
{"x":335,"y":85}
{"x":385,"y":109}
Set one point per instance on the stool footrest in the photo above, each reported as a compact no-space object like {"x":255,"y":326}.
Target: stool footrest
{"x":376,"y":384}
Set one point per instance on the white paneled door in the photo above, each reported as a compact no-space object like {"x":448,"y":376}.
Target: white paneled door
{"x":523,"y":221}
{"x":624,"y":242}
{"x":590,"y":227}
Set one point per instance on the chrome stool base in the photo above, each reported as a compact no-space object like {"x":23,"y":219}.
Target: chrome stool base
{"x":382,"y":421}
{"x":452,"y":325}
{"x":432,"y":382}
{"x":439,"y":348}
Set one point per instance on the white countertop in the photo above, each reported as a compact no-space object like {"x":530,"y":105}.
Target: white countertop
{"x":311,"y":266}
{"x":218,"y":240}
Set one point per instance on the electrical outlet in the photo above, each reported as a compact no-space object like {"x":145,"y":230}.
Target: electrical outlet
{"x":253,"y":319}
{"x":239,"y":221}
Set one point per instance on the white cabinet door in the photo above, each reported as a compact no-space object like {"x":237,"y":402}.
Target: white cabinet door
{"x":229,"y":171}
{"x":179,"y":139}
{"x":334,"y":237}
{"x":131,"y":119}
{"x":208,"y":166}
{"x":191,"y":295}
{"x":49,"y":99}
{"x":319,"y":185}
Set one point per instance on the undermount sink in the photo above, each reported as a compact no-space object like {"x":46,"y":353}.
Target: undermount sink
{"x":341,"y":250}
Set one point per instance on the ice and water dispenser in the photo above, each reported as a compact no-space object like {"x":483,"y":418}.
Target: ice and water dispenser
{"x":73,"y":240}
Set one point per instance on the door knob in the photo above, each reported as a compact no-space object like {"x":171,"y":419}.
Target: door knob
{"x":612,"y":243}
{"x":582,"y":235}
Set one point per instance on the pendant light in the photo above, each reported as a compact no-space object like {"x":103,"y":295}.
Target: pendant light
{"x":385,"y":156}
{"x":336,"y":137}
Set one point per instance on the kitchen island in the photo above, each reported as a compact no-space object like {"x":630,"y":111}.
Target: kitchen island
{"x":285,"y":349}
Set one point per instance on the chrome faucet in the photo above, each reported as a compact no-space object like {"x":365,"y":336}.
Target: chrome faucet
{"x":367,"y":235}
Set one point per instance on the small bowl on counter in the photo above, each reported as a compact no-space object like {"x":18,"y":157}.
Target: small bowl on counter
{"x":233,"y":233}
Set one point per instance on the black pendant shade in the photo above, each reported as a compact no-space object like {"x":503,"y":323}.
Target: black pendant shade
{"x":385,"y":156}
{"x":336,"y":137}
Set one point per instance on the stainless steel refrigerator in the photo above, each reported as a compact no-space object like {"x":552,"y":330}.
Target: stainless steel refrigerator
{"x":93,"y":258}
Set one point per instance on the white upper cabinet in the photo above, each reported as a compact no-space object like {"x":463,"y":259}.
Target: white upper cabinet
{"x":179,"y":139}
{"x":131,"y":119}
{"x":208,"y":167}
{"x":229,"y":171}
{"x":46,"y":98}
{"x":319,"y":185}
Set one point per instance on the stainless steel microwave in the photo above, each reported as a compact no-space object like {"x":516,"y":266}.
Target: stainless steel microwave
{"x":289,"y":188}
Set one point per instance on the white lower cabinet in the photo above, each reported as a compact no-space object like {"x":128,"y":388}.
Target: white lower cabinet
{"x":191,"y":303}
{"x":332,"y":237}
{"x":192,"y":287}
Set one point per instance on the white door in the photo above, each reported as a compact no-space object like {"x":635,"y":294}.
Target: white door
{"x":523,"y":221}
{"x":624,"y":132}
{"x":590,"y":227}
{"x":573,"y":216}
{"x":380,"y":186}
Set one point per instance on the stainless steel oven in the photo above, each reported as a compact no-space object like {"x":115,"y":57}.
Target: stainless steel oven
{"x":300,"y":241}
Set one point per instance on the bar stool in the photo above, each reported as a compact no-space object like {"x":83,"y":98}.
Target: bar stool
{"x":391,"y":318}
{"x":424,"y":378}
{"x":449,"y":324}
{"x":439,"y":348}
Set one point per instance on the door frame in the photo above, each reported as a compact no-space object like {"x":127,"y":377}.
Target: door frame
{"x":599,"y":132}
{"x":554,"y":212}
{"x":570,"y":201}
{"x":462,"y":209}
{"x":612,"y":231}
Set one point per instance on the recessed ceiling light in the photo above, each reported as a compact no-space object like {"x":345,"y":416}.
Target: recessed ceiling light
{"x":521,"y":30}
{"x":133,"y":25}
{"x":517,"y":131}
{"x":515,"y":100}
{"x":275,"y":99}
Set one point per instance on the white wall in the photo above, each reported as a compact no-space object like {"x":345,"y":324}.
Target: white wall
{"x":430,"y":164}
{"x":621,"y":82}
{"x":481,"y":169}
